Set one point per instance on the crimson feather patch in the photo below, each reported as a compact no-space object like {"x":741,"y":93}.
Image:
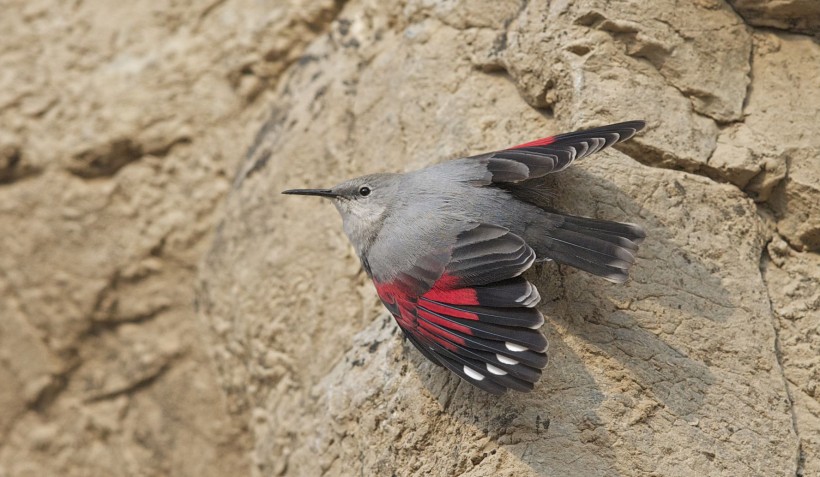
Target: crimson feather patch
{"x":478,"y":319}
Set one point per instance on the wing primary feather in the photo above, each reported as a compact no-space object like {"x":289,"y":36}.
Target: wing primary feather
{"x":423,"y":349}
{"x":527,"y":338}
{"x":553,"y":154}
{"x":477,"y":372}
{"x":495,"y":363}
{"x":527,"y":357}
{"x":487,"y":385}
{"x":471,"y":311}
{"x":526,"y":317}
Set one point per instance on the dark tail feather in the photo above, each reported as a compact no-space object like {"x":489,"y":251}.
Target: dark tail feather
{"x":606,"y":229}
{"x":600,"y":247}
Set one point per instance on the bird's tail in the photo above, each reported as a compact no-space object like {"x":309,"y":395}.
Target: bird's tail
{"x":600,"y":247}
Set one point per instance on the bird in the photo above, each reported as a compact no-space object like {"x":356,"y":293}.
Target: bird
{"x":446,"y":246}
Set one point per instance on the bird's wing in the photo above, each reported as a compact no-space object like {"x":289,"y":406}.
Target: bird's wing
{"x":467,"y":308}
{"x":550,"y":154}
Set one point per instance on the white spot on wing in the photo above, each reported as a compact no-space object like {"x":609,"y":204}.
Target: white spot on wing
{"x":473,"y":373}
{"x":506,"y":360}
{"x":495,"y":370}
{"x":514,"y":347}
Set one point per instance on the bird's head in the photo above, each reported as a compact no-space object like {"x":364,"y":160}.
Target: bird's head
{"x":363,"y":203}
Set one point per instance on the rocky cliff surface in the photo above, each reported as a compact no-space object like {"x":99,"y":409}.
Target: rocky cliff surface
{"x":121,"y":170}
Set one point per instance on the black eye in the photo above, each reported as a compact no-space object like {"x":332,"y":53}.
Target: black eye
{"x":364,"y":191}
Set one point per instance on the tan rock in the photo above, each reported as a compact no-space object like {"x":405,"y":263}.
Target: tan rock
{"x":676,"y":370}
{"x":779,"y":109}
{"x":792,"y":279}
{"x":797,"y":202}
{"x":123,"y":125}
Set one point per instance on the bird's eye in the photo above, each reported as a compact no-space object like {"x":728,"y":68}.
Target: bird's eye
{"x":364,"y":191}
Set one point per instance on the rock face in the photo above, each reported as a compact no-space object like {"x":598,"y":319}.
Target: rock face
{"x":121,"y":127}
{"x":121,"y":171}
{"x":792,"y":278}
{"x":685,"y":370}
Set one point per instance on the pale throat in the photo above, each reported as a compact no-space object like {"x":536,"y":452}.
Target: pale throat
{"x":361,"y":224}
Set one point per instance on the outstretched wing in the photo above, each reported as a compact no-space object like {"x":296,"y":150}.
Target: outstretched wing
{"x":551,"y":154}
{"x":469,"y":310}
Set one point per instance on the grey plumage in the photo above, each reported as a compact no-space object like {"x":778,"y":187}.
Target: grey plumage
{"x":446,"y":245}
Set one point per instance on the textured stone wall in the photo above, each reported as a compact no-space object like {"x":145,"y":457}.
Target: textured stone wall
{"x":121,"y":126}
{"x":127,"y":203}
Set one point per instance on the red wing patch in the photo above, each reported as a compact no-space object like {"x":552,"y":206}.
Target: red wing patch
{"x":538,"y":142}
{"x":555,"y":153}
{"x":478,"y":318}
{"x":493,"y":348}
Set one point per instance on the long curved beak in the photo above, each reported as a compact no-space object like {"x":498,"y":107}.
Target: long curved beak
{"x":318,"y":192}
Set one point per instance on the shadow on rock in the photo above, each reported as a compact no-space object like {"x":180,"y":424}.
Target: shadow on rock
{"x":619,"y":354}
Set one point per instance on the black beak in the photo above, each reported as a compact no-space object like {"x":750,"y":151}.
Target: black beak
{"x":319,"y":192}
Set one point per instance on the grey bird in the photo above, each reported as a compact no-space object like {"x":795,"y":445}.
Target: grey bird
{"x":446,"y":246}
